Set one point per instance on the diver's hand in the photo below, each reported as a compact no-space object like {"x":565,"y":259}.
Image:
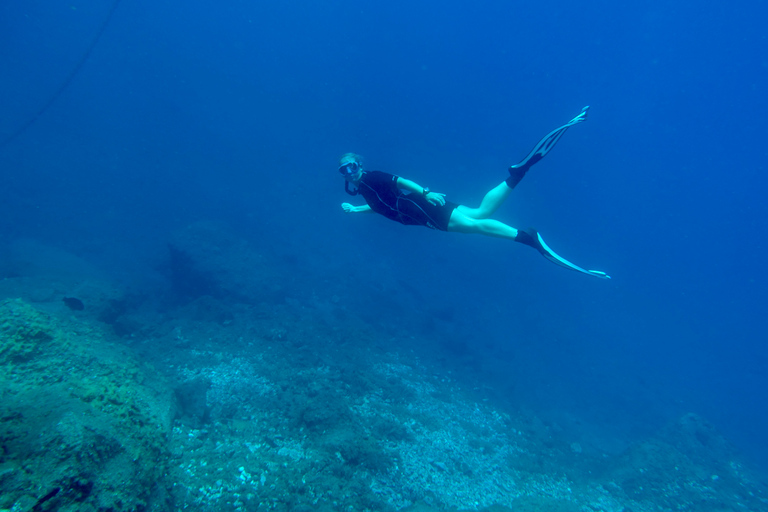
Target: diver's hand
{"x":348,"y":208}
{"x":436,"y":198}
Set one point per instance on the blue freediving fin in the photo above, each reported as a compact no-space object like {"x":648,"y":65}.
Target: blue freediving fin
{"x":541,"y":148}
{"x":532,"y":238}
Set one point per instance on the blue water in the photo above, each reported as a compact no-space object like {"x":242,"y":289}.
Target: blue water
{"x":239,"y":111}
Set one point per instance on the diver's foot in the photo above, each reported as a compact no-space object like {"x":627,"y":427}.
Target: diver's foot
{"x":529,"y":238}
{"x":515,"y":175}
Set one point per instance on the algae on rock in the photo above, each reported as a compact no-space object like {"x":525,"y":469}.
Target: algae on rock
{"x":77,"y":414}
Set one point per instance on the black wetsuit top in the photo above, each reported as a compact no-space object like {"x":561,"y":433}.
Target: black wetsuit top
{"x":381,"y":193}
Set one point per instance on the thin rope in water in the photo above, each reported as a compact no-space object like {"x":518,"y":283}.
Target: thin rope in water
{"x":24,"y":127}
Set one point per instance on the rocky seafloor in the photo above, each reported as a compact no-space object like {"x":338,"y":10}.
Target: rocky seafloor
{"x":215,"y":403}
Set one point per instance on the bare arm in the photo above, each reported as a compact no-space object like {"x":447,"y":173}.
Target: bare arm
{"x":348,"y":208}
{"x":435,"y":198}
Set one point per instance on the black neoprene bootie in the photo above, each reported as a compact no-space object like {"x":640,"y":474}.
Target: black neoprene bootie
{"x":531,"y":240}
{"x":515,"y":175}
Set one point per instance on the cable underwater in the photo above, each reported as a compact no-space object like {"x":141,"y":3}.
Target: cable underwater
{"x":8,"y":139}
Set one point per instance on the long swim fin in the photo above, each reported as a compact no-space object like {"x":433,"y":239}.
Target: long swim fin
{"x":532,"y":238}
{"x":544,"y":146}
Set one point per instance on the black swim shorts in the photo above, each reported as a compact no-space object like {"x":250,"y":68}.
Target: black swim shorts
{"x":415,"y":210}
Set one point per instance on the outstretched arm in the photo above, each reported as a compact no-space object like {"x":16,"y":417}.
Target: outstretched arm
{"x":348,"y":208}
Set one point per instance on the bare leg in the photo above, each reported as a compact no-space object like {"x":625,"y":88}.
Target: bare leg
{"x":461,"y":223}
{"x":490,"y":203}
{"x":499,"y":194}
{"x":476,"y":220}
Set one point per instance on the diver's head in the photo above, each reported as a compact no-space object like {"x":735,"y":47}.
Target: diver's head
{"x":351,"y":166}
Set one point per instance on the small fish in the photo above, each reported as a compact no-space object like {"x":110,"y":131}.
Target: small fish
{"x":73,"y":303}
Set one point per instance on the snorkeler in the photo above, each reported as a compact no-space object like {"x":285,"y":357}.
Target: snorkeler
{"x":406,"y":202}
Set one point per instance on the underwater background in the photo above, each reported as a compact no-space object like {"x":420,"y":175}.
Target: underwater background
{"x":127,"y":126}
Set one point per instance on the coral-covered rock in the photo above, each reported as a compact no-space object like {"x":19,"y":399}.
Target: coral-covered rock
{"x":82,"y":425}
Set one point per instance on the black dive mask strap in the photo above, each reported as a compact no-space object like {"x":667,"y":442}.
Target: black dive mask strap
{"x":350,"y":192}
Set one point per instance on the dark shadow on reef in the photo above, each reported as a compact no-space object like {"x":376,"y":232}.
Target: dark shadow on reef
{"x":206,"y":258}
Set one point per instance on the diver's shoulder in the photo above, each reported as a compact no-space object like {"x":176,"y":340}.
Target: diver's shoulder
{"x":380,"y":175}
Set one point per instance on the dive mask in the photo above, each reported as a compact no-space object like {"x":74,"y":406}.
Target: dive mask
{"x":349,"y":168}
